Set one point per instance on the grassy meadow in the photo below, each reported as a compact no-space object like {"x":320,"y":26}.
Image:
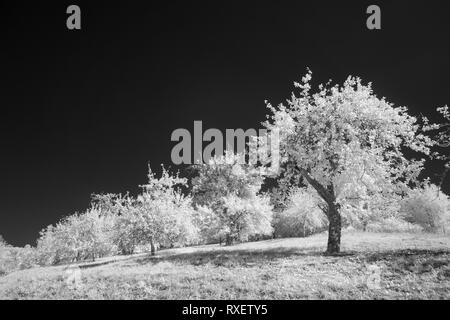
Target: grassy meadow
{"x":372,"y":266}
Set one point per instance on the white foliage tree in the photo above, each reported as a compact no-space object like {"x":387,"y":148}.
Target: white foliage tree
{"x":211,"y":230}
{"x":75,"y":238}
{"x":442,"y":138}
{"x":302,"y":216}
{"x":345,"y":141}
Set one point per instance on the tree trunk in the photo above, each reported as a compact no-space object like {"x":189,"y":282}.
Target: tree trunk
{"x":229,"y":240}
{"x":152,"y":247}
{"x":334,"y":229}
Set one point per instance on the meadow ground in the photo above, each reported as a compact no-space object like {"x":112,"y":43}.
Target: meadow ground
{"x":372,"y":266}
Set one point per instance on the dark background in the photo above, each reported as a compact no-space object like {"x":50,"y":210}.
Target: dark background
{"x":84,"y":111}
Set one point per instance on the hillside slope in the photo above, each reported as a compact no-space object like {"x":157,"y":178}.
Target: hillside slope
{"x":373,"y":266}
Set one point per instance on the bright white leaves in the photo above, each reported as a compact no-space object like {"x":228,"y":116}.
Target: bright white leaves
{"x":162,"y":214}
{"x":347,"y":137}
{"x":230,"y":190}
{"x":248,"y":216}
{"x":75,"y":238}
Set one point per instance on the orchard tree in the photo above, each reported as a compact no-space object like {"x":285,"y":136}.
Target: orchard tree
{"x":75,"y":238}
{"x":230,"y":189}
{"x":359,"y":211}
{"x":442,"y":138}
{"x":120,"y":211}
{"x":247,"y":217}
{"x":302,"y":216}
{"x":2,"y":241}
{"x":345,"y":140}
{"x":428,"y":207}
{"x":162,"y":213}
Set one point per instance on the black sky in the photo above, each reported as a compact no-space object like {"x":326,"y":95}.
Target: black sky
{"x":84,"y":111}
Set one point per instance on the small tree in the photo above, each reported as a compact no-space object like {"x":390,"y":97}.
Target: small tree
{"x":119,"y":210}
{"x":247,"y":217}
{"x":345,"y":140}
{"x":75,"y":238}
{"x":230,"y":190}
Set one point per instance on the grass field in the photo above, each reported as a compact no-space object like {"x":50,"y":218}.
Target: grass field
{"x":372,"y":266}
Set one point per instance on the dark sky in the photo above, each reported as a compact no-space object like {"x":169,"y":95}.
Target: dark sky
{"x":84,"y":111}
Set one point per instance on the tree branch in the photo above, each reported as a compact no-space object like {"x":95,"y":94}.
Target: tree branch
{"x":321,"y":190}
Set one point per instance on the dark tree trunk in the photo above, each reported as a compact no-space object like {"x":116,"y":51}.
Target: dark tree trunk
{"x":334,"y":229}
{"x":152,"y":247}
{"x":229,"y":240}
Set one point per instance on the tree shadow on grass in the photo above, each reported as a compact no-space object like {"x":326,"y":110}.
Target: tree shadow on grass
{"x":408,"y":259}
{"x":405,"y":259}
{"x":229,"y":258}
{"x":88,"y":265}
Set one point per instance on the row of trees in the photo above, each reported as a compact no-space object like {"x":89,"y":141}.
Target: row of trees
{"x":162,"y":215}
{"x":347,"y":158}
{"x":224,"y":206}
